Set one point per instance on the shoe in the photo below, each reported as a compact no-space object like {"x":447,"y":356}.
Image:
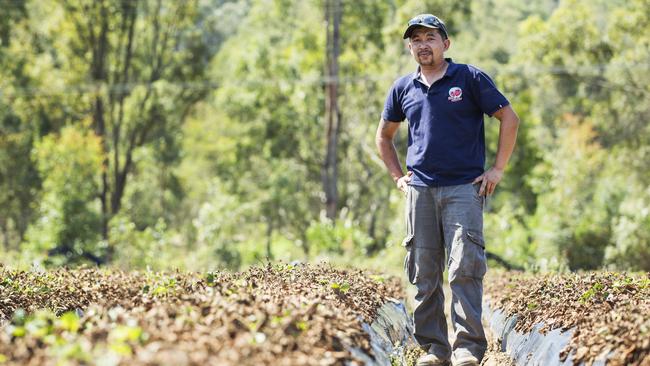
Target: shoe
{"x":466,"y":361}
{"x":431,"y":360}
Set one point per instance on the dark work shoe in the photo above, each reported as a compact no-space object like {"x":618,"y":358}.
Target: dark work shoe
{"x":465,"y":361}
{"x":431,"y":360}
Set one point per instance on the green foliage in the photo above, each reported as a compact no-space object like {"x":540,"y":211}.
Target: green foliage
{"x":578,"y":232}
{"x":55,"y":332}
{"x":631,"y":231}
{"x":217,"y":223}
{"x":507,"y":234}
{"x":17,"y":172}
{"x":60,"y":334}
{"x":344,"y":237}
{"x":68,"y":229}
{"x":574,"y":69}
{"x":212,"y":144}
{"x":156,"y":247}
{"x":340,"y":287}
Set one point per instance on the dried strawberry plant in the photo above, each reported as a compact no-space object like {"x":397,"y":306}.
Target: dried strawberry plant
{"x":609,"y":311}
{"x":274,"y":315}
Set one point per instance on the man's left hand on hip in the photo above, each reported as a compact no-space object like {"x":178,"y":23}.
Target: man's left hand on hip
{"x":489,"y":181}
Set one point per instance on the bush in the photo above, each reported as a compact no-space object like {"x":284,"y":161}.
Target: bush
{"x":346,"y":237}
{"x":69,"y":225}
{"x":631,"y":232}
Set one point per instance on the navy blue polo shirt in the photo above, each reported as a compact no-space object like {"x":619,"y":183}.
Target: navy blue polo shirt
{"x":446,"y":137}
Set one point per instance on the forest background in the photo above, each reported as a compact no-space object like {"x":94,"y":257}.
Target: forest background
{"x":200,"y":134}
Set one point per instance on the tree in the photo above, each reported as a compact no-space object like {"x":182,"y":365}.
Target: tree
{"x":271,"y":104}
{"x":138,"y":68}
{"x":333,"y":14}
{"x":153,"y":48}
{"x":68,"y":228}
{"x":19,"y":180}
{"x":576,"y":70}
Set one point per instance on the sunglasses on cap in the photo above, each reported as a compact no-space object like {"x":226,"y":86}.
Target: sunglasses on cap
{"x":425,"y":20}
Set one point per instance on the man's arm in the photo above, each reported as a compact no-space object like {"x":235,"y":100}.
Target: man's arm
{"x":507,"y":138}
{"x":384,"y":140}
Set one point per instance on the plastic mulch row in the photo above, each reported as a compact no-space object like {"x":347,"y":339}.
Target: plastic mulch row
{"x":532,"y":348}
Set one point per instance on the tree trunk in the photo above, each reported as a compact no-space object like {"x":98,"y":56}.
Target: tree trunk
{"x":128,"y":27}
{"x":269,"y":238}
{"x":332,"y":115}
{"x":100,"y":130}
{"x":138,"y":136}
{"x":5,"y":234}
{"x":305,"y":244}
{"x":99,"y":76}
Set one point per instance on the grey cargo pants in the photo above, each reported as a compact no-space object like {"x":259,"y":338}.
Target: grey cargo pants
{"x":450,"y":219}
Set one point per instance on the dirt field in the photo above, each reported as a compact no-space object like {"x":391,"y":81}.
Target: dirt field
{"x":278,"y":314}
{"x":610,"y":311}
{"x":283,"y":314}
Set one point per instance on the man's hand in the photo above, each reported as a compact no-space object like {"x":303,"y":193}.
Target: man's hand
{"x":403,"y":182}
{"x":489,"y":180}
{"x":507,"y":136}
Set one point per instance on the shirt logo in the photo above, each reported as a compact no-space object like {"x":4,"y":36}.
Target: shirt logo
{"x":455,"y":94}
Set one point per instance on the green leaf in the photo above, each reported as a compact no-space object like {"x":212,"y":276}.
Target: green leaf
{"x":342,"y":287}
{"x":18,"y":332}
{"x":125,"y":333}
{"x":345,"y":287}
{"x":69,"y":321}
{"x":378,"y":278}
{"x":121,"y":348}
{"x":19,"y":317}
{"x":302,"y":325}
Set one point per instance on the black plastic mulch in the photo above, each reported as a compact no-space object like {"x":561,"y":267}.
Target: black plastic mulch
{"x":609,"y":311}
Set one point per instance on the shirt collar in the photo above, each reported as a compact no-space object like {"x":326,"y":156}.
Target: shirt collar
{"x":451,"y":69}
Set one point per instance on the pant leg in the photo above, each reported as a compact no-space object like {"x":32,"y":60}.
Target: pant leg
{"x":462,"y":216}
{"x":424,"y":264}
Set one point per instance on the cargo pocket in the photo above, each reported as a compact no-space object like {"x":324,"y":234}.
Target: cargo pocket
{"x":409,"y":260}
{"x":479,"y":267}
{"x":481,"y":200}
{"x":467,"y":257}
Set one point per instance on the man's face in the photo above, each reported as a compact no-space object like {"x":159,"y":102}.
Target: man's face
{"x":427,"y":45}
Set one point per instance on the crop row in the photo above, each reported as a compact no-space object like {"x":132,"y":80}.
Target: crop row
{"x":277,"y":314}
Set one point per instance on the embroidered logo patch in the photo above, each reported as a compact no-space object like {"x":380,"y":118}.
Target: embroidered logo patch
{"x":455,"y":94}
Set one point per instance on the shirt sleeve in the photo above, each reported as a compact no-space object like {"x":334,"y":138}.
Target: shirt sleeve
{"x":489,"y":98}
{"x":393,"y":107}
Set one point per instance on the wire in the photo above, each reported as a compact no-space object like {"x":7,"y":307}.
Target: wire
{"x":526,"y":71}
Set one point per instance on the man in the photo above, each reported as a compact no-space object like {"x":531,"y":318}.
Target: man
{"x":445,"y":186}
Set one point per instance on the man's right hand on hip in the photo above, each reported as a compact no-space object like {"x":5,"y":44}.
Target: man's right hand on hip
{"x":403,"y":182}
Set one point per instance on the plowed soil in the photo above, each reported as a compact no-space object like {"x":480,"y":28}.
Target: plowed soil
{"x":273,"y":315}
{"x":609,"y":311}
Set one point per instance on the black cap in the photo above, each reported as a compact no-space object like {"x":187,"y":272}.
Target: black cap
{"x":425,"y":20}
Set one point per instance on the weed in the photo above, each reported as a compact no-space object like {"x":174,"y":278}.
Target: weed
{"x":596,"y":290}
{"x":340,"y":287}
